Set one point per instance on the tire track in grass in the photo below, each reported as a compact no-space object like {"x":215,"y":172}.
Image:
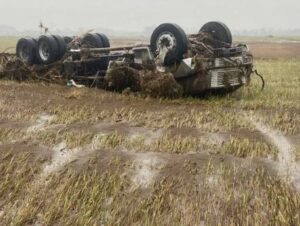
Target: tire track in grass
{"x":147,"y":166}
{"x":41,"y":123}
{"x":286,"y":166}
{"x":61,"y":156}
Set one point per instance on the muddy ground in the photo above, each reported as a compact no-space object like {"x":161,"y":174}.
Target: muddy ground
{"x":73,"y":156}
{"x":269,"y":50}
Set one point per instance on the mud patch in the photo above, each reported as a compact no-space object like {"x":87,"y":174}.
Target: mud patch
{"x":213,"y":181}
{"x":120,"y":78}
{"x":40,"y":124}
{"x":13,"y":125}
{"x":149,"y":136}
{"x":14,"y":68}
{"x":150,"y":83}
{"x":61,"y":157}
{"x":132,"y":132}
{"x":2,"y":213}
{"x":216,"y":138}
{"x":146,"y":168}
{"x":157,"y":84}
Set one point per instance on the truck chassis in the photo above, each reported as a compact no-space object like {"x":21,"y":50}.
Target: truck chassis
{"x":206,"y":61}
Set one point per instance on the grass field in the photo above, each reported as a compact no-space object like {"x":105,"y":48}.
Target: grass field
{"x":91,"y":157}
{"x":8,"y":43}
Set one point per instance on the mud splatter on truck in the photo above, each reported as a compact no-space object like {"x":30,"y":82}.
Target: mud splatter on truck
{"x":172,"y":64}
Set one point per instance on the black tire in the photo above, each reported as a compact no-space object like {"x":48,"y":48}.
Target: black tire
{"x":219,"y":32}
{"x":62,"y":46}
{"x":104,"y":39}
{"x":26,"y":50}
{"x":177,"y":32}
{"x":92,"y":41}
{"x":52,"y":49}
{"x":68,"y":39}
{"x":106,"y":44}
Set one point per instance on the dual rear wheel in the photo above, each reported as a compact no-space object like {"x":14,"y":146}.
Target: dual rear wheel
{"x":26,"y":50}
{"x":51,"y":48}
{"x":95,"y":40}
{"x":46,"y":50}
{"x":173,"y":38}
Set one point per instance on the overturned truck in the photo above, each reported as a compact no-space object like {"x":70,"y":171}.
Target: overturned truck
{"x":194,"y":64}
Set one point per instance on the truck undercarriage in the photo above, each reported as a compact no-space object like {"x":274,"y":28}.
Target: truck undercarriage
{"x":196,"y":63}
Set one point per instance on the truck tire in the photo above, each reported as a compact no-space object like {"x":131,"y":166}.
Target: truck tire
{"x":219,"y":32}
{"x":104,"y":39}
{"x":47,"y":49}
{"x":92,"y":41}
{"x":106,"y":44}
{"x":62,"y":46}
{"x":173,"y":37}
{"x":68,"y":39}
{"x":26,"y":50}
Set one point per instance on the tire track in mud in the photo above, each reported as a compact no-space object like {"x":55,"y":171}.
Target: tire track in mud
{"x":147,"y":166}
{"x":286,"y":166}
{"x":41,"y":123}
{"x":61,"y":156}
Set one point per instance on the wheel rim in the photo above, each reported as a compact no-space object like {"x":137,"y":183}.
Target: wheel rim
{"x":166,"y":39}
{"x":44,"y":51}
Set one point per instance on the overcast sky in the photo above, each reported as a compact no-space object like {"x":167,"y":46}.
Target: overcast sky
{"x":134,"y":15}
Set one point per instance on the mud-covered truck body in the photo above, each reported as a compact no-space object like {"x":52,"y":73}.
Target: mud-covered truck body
{"x":209,"y":62}
{"x":214,"y":74}
{"x":198,"y":63}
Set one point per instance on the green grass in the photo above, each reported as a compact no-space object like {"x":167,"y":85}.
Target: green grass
{"x":198,"y":185}
{"x":244,"y":148}
{"x":222,"y":196}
